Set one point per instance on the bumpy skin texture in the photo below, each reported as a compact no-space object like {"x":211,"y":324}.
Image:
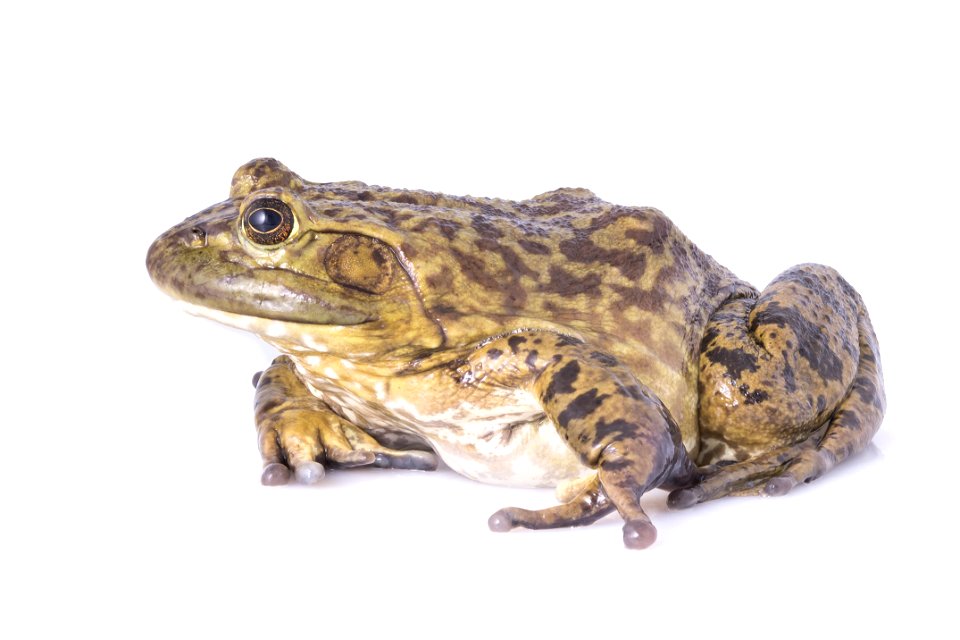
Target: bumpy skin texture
{"x":558,"y":341}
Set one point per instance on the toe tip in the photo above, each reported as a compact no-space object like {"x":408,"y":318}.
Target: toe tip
{"x":683,"y":498}
{"x":500,"y":522}
{"x":779,"y":486}
{"x":275,"y":474}
{"x":638,"y":534}
{"x":310,"y":473}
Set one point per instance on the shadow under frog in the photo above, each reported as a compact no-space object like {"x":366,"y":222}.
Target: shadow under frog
{"x":559,"y":341}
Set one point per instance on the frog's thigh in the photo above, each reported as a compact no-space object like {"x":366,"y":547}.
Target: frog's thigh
{"x":851,"y":427}
{"x":790,"y":385}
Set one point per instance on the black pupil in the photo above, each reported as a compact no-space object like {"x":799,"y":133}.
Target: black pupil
{"x":265,"y":220}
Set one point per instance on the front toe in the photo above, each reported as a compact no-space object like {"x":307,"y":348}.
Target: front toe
{"x":275,"y":474}
{"x":310,"y":473}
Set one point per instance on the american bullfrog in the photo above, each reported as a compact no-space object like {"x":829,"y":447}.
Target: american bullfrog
{"x":559,"y":341}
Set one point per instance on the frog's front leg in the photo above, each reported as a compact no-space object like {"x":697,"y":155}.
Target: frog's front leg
{"x":297,"y":430}
{"x":613,"y":422}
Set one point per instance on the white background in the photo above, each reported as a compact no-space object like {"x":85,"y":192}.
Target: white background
{"x":131,"y":501}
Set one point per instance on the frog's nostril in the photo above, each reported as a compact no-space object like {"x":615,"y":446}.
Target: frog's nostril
{"x":194,"y":237}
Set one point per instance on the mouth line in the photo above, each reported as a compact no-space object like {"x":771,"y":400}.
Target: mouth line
{"x":261,"y":324}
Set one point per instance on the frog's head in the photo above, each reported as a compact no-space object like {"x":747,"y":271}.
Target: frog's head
{"x":265,"y":261}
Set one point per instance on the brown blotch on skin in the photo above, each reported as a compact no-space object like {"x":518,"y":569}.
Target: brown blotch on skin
{"x":515,"y":264}
{"x":866,"y":389}
{"x":534,"y":247}
{"x":580,"y":248}
{"x":814,"y":345}
{"x":485,"y":228}
{"x":564,"y":283}
{"x":567,"y":341}
{"x":613,"y":430}
{"x":442,"y":281}
{"x":531,"y":360}
{"x":735,"y":360}
{"x":581,"y":407}
{"x":753,"y":397}
{"x":514,"y":342}
{"x":604,"y":359}
{"x":448,"y":228}
{"x":563,"y":380}
{"x":475,"y":268}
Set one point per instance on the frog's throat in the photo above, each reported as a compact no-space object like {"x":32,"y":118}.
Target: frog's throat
{"x":368,"y":341}
{"x":311,"y":337}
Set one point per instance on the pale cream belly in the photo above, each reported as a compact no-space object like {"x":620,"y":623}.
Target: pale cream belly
{"x":528,"y":455}
{"x":509,"y":442}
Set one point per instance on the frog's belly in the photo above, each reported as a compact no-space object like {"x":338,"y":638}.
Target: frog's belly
{"x":531,"y":454}
{"x":507,"y":442}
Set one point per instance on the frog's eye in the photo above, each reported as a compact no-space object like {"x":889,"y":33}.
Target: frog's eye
{"x":268,"y":221}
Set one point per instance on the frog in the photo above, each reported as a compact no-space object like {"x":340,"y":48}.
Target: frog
{"x":559,"y":341}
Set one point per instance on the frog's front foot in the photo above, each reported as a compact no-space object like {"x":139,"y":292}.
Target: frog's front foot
{"x":298,"y":432}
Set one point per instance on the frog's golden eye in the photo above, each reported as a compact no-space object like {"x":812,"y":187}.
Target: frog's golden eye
{"x":268,"y":221}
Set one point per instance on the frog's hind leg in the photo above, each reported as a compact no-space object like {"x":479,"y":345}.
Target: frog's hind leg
{"x":790,"y":387}
{"x":586,"y":507}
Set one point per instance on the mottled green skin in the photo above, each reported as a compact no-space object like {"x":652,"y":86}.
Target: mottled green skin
{"x":559,"y":340}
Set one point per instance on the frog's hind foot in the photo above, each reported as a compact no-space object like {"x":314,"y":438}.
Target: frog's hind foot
{"x":772,"y":474}
{"x":798,"y":370}
{"x":848,"y":430}
{"x":588,"y":506}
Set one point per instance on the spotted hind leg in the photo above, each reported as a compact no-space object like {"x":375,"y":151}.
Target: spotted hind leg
{"x":792,"y":387}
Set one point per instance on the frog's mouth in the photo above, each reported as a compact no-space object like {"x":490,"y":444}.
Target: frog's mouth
{"x":217,"y":282}
{"x":311,"y":334}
